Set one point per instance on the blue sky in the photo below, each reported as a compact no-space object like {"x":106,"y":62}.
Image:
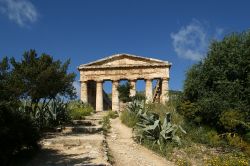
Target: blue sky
{"x":86,"y":30}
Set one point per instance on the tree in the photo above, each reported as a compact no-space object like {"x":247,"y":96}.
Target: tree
{"x":36,"y":80}
{"x":124,"y":92}
{"x":7,"y":92}
{"x":219,"y":86}
{"x":41,"y":79}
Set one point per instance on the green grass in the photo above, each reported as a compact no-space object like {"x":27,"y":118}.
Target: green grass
{"x":129,"y":119}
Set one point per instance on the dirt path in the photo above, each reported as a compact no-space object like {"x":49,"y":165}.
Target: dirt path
{"x":79,"y":145}
{"x":128,"y":153}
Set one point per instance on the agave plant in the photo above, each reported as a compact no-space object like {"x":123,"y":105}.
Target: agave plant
{"x":168,"y":130}
{"x":150,"y":127}
{"x":58,"y":112}
{"x":136,"y":106}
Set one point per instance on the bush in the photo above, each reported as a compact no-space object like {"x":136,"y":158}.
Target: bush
{"x":236,"y":141}
{"x":202,"y":134}
{"x":162,"y":109}
{"x":106,"y":124}
{"x":218,"y":86}
{"x":17,"y":132}
{"x":112,"y":114}
{"x":231,"y":119}
{"x":78,"y":109}
{"x":129,"y":119}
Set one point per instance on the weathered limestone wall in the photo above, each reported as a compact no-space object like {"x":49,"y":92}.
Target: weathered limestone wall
{"x":124,"y":73}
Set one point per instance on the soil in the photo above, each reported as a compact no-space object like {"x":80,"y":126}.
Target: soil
{"x":126,"y":152}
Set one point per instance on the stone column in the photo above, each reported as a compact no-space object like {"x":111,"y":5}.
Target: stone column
{"x":164,"y":90}
{"x":99,"y":96}
{"x":148,"y":90}
{"x":84,"y":91}
{"x":115,"y":96}
{"x":133,"y":88}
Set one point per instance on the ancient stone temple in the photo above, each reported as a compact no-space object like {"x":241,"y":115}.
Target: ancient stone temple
{"x":123,"y":67}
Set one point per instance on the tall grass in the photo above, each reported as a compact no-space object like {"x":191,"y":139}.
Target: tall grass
{"x":129,"y":119}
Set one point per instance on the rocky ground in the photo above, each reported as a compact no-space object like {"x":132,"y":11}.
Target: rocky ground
{"x":78,"y":145}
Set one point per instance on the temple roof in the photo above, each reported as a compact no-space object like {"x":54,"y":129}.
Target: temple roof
{"x":124,"y":60}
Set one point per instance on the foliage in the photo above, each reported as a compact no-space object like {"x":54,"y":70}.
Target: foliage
{"x":229,"y":160}
{"x":60,"y":112}
{"x":237,"y":142}
{"x":124,"y":92}
{"x":29,"y":100}
{"x":218,"y":88}
{"x":162,"y":109}
{"x":136,"y":106}
{"x":78,"y":109}
{"x":53,"y":114}
{"x":183,"y":162}
{"x":175,"y":97}
{"x":129,"y":118}
{"x":17,"y":131}
{"x":149,"y":125}
{"x":139,"y":96}
{"x":162,"y":149}
{"x":40,"y":79}
{"x":106,"y":124}
{"x":112,"y":114}
{"x":152,"y":128}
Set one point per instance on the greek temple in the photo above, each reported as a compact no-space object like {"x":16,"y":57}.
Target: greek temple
{"x":123,"y":67}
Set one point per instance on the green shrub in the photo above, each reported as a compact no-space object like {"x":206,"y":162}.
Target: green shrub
{"x":247,"y":137}
{"x":204,"y":135}
{"x":106,"y":124}
{"x":236,"y":141}
{"x":129,"y":119}
{"x":213,"y":138}
{"x":112,"y":114}
{"x":218,"y":86}
{"x":78,"y":109}
{"x":231,"y":119}
{"x":17,"y":131}
{"x":190,"y":111}
{"x":139,"y":96}
{"x":164,"y":149}
{"x":162,"y":109}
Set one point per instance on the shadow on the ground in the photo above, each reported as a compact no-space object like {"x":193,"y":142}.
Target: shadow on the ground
{"x":49,"y":157}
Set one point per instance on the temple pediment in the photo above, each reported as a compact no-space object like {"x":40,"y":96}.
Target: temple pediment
{"x":124,"y":60}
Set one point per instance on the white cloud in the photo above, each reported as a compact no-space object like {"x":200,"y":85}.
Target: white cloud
{"x":21,"y":12}
{"x":191,"y":41}
{"x":76,"y":84}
